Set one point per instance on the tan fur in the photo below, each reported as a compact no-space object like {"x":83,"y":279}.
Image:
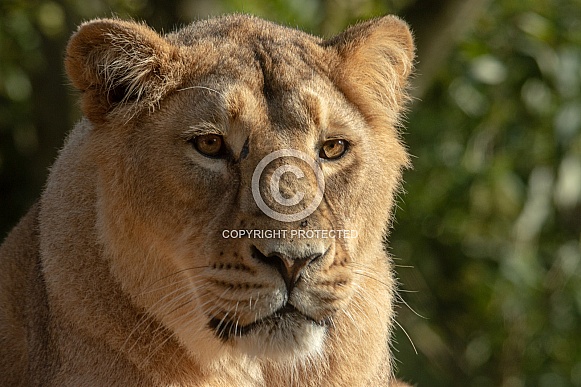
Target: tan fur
{"x":121,"y":274}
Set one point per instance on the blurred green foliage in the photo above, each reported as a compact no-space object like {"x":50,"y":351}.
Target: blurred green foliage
{"x":492,"y":218}
{"x":487,"y":236}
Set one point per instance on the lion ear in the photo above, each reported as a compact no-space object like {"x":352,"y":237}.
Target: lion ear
{"x":120,"y":66}
{"x":375,"y":59}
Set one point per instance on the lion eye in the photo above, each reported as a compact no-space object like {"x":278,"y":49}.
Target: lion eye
{"x":333,"y":149}
{"x":210,"y":145}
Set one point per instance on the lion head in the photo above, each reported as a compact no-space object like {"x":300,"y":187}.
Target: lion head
{"x":244,"y":176}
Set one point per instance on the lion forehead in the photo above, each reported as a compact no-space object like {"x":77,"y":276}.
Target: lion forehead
{"x":271,"y":57}
{"x":237,"y":108}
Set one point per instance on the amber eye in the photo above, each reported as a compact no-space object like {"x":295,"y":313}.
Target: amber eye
{"x":333,"y":149}
{"x":210,"y":145}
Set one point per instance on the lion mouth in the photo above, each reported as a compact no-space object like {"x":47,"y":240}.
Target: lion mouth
{"x":226,"y":329}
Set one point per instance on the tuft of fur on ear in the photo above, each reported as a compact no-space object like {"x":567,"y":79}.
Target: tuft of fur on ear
{"x":375,"y":61}
{"x":120,"y":66}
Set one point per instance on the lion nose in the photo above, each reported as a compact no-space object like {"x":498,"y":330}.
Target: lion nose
{"x":290,"y":268}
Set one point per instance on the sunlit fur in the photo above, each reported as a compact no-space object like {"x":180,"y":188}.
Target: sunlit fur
{"x":121,"y":274}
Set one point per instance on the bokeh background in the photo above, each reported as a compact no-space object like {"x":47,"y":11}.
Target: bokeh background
{"x":487,"y":237}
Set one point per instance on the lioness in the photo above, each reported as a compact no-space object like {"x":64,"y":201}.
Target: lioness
{"x":176,"y":242}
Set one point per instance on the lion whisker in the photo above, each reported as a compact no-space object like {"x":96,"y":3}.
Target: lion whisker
{"x":400,"y":299}
{"x":202,"y":88}
{"x":407,"y":335}
{"x":145,"y":290}
{"x":160,"y":310}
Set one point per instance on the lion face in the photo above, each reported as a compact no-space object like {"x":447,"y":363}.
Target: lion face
{"x":211,"y":151}
{"x":265,"y":285}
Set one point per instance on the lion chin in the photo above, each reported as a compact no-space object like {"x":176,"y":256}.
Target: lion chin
{"x":285,"y":335}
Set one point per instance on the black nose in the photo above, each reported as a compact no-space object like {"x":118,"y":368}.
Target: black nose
{"x":290,"y":268}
